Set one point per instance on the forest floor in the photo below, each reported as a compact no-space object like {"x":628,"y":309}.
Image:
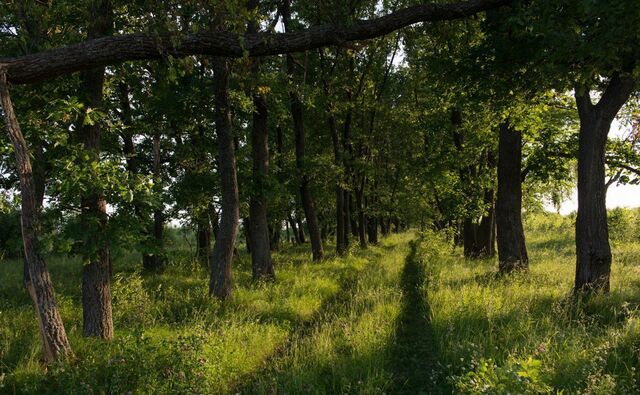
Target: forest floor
{"x":409,"y":315}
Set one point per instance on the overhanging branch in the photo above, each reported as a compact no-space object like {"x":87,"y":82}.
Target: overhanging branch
{"x":117,"y":49}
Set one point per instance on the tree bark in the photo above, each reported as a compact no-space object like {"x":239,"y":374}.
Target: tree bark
{"x":220,"y":281}
{"x":294,"y":229}
{"x":203,"y":242}
{"x":362,"y":223}
{"x":96,"y":274}
{"x":155,"y":261}
{"x":114,"y":50}
{"x":341,"y":244}
{"x":512,"y":250}
{"x":308,"y":203}
{"x":262,"y":264}
{"x":486,"y":229}
{"x":593,"y":252}
{"x":37,"y":278}
{"x":301,"y":236}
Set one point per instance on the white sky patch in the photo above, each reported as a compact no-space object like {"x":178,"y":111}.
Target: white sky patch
{"x":617,"y":195}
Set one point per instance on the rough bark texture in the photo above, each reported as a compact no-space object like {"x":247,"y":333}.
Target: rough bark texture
{"x":220,"y":282}
{"x":512,"y":250}
{"x":593,"y":252}
{"x":261,"y":261}
{"x":37,"y":279}
{"x":308,"y":203}
{"x":262,"y":264}
{"x":113,"y":50}
{"x":96,"y":274}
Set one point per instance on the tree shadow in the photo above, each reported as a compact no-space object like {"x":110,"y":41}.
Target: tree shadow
{"x":413,"y":351}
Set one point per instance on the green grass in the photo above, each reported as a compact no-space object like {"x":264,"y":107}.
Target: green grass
{"x":171,"y":337}
{"x":525,"y":333}
{"x":410,"y":315}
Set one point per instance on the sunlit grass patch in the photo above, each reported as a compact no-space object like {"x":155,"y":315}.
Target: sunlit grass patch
{"x":526,"y":333}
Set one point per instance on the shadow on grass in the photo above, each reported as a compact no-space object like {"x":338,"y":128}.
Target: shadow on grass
{"x":302,"y":329}
{"x":413,"y":351}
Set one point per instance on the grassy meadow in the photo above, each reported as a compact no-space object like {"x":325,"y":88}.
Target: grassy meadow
{"x":409,"y":315}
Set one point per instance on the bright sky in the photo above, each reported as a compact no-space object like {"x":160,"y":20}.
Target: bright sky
{"x":617,"y":195}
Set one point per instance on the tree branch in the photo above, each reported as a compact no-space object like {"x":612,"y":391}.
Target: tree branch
{"x":117,"y":49}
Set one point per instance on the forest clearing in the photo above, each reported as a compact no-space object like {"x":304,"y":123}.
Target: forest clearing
{"x":344,"y":196}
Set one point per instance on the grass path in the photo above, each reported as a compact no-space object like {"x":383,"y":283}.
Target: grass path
{"x":413,"y":354}
{"x":374,"y":336}
{"x":348,"y":286}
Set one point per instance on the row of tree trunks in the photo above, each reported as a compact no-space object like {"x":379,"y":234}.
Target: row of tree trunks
{"x":220,"y":281}
{"x":36,"y":274}
{"x":96,"y":273}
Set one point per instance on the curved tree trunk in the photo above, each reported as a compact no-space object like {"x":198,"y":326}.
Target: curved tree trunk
{"x":308,"y":203}
{"x":305,"y":189}
{"x":593,"y":252}
{"x":220,"y":281}
{"x":512,"y":250}
{"x":37,"y":279}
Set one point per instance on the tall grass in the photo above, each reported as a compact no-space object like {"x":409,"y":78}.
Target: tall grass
{"x":172,"y":337}
{"x":526,"y":333}
{"x":410,"y":315}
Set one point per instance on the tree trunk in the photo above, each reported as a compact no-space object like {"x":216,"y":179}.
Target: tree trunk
{"x":203,"y":242}
{"x":149,"y":261}
{"x":486,"y":230}
{"x":341,"y":244}
{"x":383,"y":227}
{"x":96,"y":274}
{"x":353,"y":223}
{"x":362,"y":223}
{"x":220,"y":282}
{"x":512,"y":250}
{"x":372,"y":225}
{"x":294,"y":229}
{"x":469,"y":239}
{"x":156,"y":260}
{"x":37,"y":279}
{"x":347,"y":216}
{"x":301,"y":236}
{"x":261,"y":262}
{"x":274,"y":235}
{"x":593,"y":252}
{"x":308,"y":203}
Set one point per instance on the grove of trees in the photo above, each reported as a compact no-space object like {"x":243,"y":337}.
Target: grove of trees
{"x":325,"y":124}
